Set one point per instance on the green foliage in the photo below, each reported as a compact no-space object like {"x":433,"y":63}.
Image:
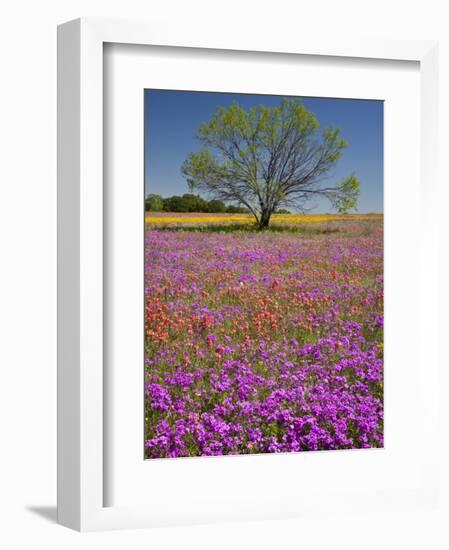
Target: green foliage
{"x":154,"y":203}
{"x":174,"y":204}
{"x":185,"y":203}
{"x":282,"y":211}
{"x":189,"y":203}
{"x":216,"y":206}
{"x":348,"y":191}
{"x":232,"y":209}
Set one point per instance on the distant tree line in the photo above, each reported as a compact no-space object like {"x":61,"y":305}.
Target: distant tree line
{"x":191,"y":203}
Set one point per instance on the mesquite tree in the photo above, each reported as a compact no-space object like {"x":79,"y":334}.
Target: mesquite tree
{"x":268,"y":157}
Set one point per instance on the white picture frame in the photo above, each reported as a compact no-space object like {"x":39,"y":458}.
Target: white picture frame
{"x":81,"y":387}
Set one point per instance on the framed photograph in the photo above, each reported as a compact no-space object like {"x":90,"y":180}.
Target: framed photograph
{"x":236,"y":338}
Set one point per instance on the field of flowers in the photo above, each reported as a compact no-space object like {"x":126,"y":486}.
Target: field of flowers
{"x":264,"y":341}
{"x":162,"y":219}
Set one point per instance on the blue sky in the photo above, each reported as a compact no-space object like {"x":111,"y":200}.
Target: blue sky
{"x":172,"y":119}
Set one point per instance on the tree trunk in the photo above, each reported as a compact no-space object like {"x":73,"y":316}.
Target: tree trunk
{"x":264,"y":219}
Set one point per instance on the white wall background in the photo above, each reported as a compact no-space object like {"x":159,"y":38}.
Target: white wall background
{"x":28,"y":268}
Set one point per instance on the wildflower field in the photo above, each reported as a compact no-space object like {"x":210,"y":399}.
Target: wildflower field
{"x":167,"y":219}
{"x":265,"y":341}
